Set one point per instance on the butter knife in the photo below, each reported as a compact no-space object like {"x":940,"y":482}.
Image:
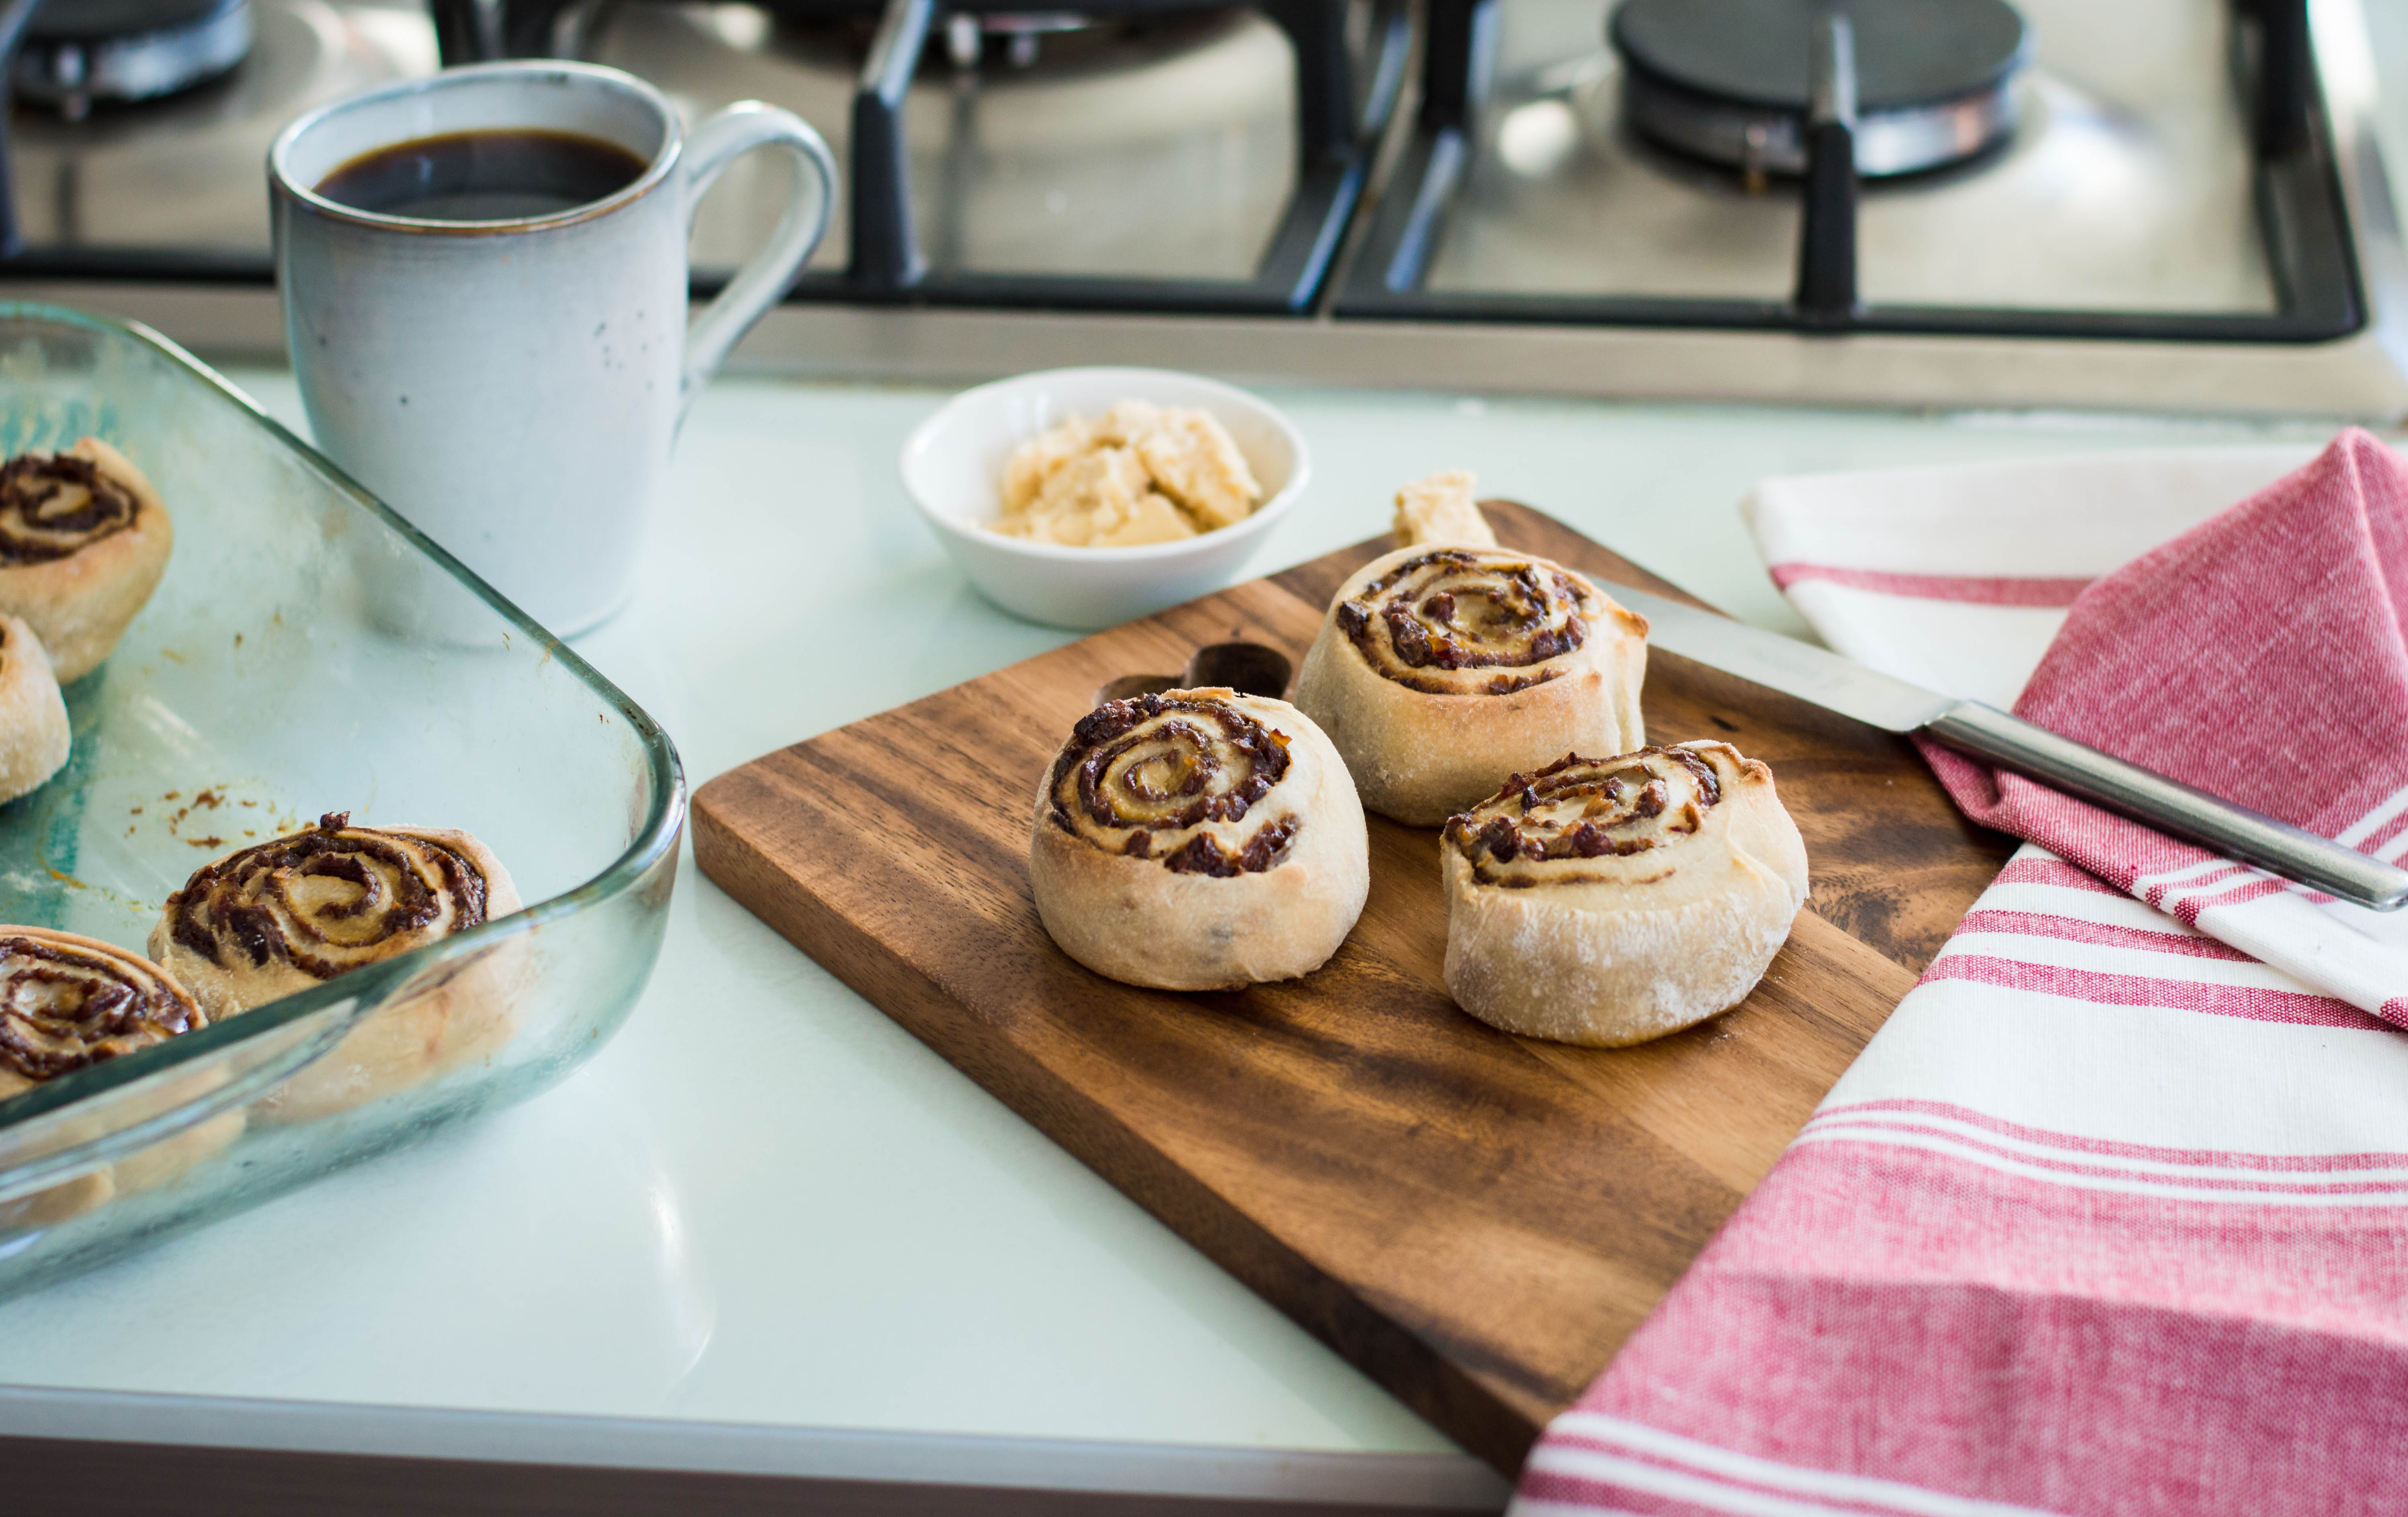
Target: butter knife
{"x":1837,"y":684}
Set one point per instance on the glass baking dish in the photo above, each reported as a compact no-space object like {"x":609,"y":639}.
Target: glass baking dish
{"x":307,"y":653}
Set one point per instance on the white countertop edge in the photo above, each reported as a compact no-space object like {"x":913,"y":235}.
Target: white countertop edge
{"x":1410,"y":1481}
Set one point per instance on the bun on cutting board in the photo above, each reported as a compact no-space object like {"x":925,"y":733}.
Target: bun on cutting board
{"x":1609,"y":901}
{"x":1440,"y":669}
{"x":1198,"y":840}
{"x":83,"y":540}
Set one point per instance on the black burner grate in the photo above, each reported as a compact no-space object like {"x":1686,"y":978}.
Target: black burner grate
{"x":2302,"y":222}
{"x":2301,"y":216}
{"x":1337,"y":128}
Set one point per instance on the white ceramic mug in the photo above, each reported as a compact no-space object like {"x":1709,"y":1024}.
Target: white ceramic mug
{"x":513,"y":387}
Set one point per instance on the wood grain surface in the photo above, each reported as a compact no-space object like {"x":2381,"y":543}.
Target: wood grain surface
{"x":1474,"y":1220}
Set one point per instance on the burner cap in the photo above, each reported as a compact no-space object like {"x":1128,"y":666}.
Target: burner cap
{"x":93,"y":21}
{"x":78,"y":51}
{"x":1727,"y":79}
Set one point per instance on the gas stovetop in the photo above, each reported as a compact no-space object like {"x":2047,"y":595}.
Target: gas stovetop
{"x":2157,"y":169}
{"x":2156,"y":202}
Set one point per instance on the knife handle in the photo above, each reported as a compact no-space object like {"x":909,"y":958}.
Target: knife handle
{"x":2170,"y":806}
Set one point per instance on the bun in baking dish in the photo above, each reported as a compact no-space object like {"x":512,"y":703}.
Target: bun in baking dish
{"x":83,"y":540}
{"x":268,"y":920}
{"x":66,"y":1003}
{"x":33,"y":715}
{"x":1439,"y":670}
{"x":1609,"y":901}
{"x":1198,"y":840}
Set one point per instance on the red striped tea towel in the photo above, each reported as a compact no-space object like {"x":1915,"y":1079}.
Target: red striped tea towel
{"x":2111,"y":1216}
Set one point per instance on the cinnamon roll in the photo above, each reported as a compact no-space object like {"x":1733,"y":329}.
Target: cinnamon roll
{"x":268,"y":920}
{"x":66,"y":1003}
{"x":1609,"y":901}
{"x":1198,"y":840}
{"x":33,"y":714}
{"x":1441,"y":670}
{"x":83,"y":540}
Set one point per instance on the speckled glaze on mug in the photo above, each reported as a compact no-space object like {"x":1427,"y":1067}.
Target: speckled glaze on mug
{"x":513,"y":387}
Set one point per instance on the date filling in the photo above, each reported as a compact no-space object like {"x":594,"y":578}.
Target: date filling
{"x":326,"y":900}
{"x":1468,"y":622}
{"x":52,"y":505}
{"x":1149,"y":776}
{"x":1540,"y":827}
{"x":62,"y":1008}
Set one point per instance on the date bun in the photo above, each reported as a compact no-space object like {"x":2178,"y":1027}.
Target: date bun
{"x":83,"y":542}
{"x":69,"y":1002}
{"x":1609,"y":901}
{"x":1198,"y":840}
{"x":1439,"y":670}
{"x":279,"y":917}
{"x":33,"y":715}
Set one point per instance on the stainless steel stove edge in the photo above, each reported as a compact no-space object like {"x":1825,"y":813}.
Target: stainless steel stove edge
{"x":2354,"y":378}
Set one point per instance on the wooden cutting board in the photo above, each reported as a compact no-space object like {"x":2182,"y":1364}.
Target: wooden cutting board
{"x":1474,"y":1220}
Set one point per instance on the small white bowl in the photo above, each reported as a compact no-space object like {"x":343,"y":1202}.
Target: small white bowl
{"x":952,"y":469}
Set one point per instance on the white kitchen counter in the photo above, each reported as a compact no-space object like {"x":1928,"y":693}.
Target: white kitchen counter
{"x":766,"y":1230}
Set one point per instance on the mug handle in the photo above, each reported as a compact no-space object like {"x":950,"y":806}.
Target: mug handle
{"x":715,"y":144}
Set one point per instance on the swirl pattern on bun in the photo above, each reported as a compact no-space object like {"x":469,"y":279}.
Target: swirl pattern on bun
{"x":83,"y":540}
{"x":274,"y":918}
{"x":1468,"y":620}
{"x":321,"y":901}
{"x":1608,"y":901}
{"x":1549,"y":827}
{"x":69,"y":1002}
{"x":1439,"y":670}
{"x":1198,"y":840}
{"x":1149,"y":777}
{"x":55,"y":504}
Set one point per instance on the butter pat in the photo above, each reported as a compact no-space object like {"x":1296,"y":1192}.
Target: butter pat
{"x":1442,"y":509}
{"x":1192,"y":457}
{"x":1140,"y":473}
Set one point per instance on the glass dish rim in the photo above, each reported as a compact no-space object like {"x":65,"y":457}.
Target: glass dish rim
{"x":377,"y":985}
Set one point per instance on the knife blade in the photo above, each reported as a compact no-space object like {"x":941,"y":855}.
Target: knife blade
{"x":1824,"y":678}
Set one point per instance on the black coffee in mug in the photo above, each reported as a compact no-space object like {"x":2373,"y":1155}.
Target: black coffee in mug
{"x":489,"y":175}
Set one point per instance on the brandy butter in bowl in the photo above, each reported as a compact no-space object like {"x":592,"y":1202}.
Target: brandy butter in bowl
{"x":1158,"y":469}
